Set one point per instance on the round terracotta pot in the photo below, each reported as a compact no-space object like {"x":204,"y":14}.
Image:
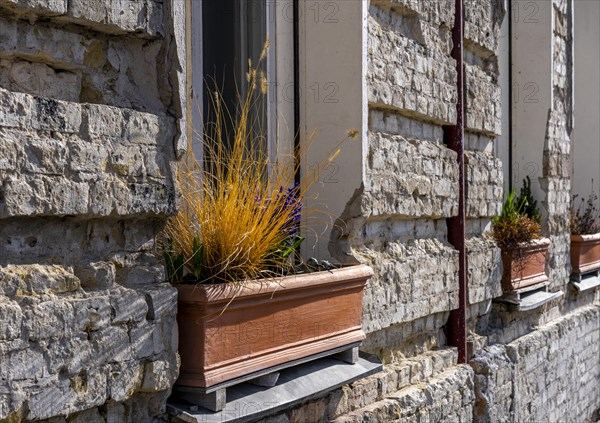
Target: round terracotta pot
{"x":585,"y":253}
{"x":525,"y":266}
{"x":227,"y":331}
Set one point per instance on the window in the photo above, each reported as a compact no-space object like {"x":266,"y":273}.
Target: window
{"x":224,"y":35}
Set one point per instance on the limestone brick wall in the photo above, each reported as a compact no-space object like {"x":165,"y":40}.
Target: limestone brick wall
{"x":556,"y":170}
{"x":484,"y":180}
{"x":90,"y":125}
{"x":549,"y":375}
{"x":428,"y":386}
{"x":396,"y":223}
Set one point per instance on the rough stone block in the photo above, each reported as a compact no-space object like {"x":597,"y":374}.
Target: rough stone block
{"x":10,"y":319}
{"x":111,"y":345}
{"x":142,"y":336}
{"x":23,"y":364}
{"x":413,"y":280}
{"x":155,"y":17}
{"x":67,"y":396}
{"x":124,"y":199}
{"x":128,"y":306}
{"x":57,"y":46}
{"x":128,"y":14}
{"x":53,"y":115}
{"x":162,"y":301}
{"x":41,"y":7}
{"x":95,"y":11}
{"x":160,"y":375}
{"x":124,"y":379}
{"x":87,"y":161}
{"x":45,"y":155}
{"x":141,"y":17}
{"x":409,"y":178}
{"x":148,"y":129}
{"x":39,"y":79}
{"x":47,"y":319}
{"x":143,"y":276}
{"x":12,"y":154}
{"x":92,"y":313}
{"x":15,"y":108}
{"x":104,"y":121}
{"x":165,"y":336}
{"x":34,"y":279}
{"x":43,"y":195}
{"x":70,"y":355}
{"x":96,"y":274}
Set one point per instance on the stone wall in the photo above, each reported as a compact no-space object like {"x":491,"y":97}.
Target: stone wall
{"x":419,"y":387}
{"x":90,"y":124}
{"x":556,"y":170}
{"x":396,"y":222}
{"x":549,"y":375}
{"x":484,"y":179}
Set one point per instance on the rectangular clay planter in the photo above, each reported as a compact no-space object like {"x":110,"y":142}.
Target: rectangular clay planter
{"x":228,"y":331}
{"x":525,"y":266}
{"x":585,"y":253}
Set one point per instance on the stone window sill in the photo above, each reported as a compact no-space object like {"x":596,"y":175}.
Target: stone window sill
{"x":296,"y":385}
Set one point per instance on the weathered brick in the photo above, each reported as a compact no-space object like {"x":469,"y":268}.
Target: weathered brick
{"x":162,"y":301}
{"x":159,"y":375}
{"x":10,"y":320}
{"x":34,"y":279}
{"x":128,"y":306}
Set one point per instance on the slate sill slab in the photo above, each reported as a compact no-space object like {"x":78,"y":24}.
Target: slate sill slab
{"x":298,"y":384}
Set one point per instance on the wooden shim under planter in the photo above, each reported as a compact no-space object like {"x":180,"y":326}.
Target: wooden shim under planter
{"x":229,"y":331}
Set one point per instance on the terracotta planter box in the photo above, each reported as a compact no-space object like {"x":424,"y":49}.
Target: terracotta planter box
{"x":526,"y":266}
{"x":585,"y":253}
{"x":227,"y":332}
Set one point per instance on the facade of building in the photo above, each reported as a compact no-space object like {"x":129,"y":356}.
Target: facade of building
{"x":98,"y":99}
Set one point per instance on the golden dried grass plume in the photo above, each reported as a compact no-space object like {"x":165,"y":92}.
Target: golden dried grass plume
{"x":236,"y":206}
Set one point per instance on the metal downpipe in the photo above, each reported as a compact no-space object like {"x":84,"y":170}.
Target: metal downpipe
{"x":454,"y":138}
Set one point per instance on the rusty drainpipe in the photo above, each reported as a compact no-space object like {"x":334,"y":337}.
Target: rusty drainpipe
{"x":454,"y":139}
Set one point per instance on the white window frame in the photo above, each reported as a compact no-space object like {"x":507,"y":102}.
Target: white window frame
{"x":279,"y":72}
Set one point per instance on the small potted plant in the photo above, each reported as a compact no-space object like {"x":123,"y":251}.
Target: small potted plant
{"x":585,"y":235}
{"x":244,"y":305}
{"x":517,"y":231}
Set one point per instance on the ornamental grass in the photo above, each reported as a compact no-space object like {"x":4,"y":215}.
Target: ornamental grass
{"x":239,"y":214}
{"x":514,"y":227}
